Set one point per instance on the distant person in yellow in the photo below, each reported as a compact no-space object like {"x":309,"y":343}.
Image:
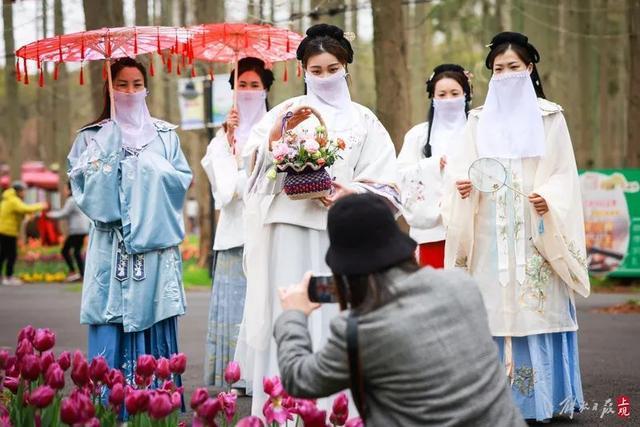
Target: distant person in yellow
{"x":12,"y":213}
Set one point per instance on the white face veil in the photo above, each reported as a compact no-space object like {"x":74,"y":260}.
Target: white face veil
{"x":330,"y":96}
{"x":133,"y":118}
{"x":449,"y":118}
{"x":251,"y":107}
{"x":510,"y":125}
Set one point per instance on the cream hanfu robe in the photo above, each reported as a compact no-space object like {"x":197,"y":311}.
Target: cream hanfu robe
{"x":528,"y":270}
{"x":286,"y":238}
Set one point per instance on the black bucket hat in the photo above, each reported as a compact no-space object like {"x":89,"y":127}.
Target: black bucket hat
{"x":364,"y":237}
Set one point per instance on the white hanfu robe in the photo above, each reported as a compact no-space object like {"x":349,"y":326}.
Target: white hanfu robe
{"x":528,"y":267}
{"x":286,"y":238}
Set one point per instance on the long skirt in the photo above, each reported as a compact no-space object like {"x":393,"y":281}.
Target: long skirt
{"x":225,"y":314}
{"x":432,"y":254}
{"x":546,"y":374}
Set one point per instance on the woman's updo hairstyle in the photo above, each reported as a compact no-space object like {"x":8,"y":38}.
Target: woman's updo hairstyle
{"x":253,"y":64}
{"x":444,"y":71}
{"x":519,"y":43}
{"x":325,"y":38}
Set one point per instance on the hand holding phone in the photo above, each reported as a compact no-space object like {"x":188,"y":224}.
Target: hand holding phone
{"x":322,"y":289}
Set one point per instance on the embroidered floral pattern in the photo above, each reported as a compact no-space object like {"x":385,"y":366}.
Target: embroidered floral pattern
{"x":538,"y":274}
{"x":462,"y":261}
{"x":122,"y":263}
{"x":524,"y":380}
{"x":138,"y":267}
{"x":576,"y":253}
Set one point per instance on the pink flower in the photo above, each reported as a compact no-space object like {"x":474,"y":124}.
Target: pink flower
{"x":93,"y":422}
{"x":44,"y":339}
{"x":24,"y":347}
{"x":42,"y":396}
{"x":178,"y":363}
{"x":199,"y":396}
{"x":273,"y":411}
{"x":250,"y":422}
{"x":113,"y":377}
{"x":311,"y":146}
{"x":162,"y":368}
{"x":354,"y":422}
{"x":46,"y":359}
{"x":54,"y":377}
{"x":11,"y":367}
{"x":340,"y":410}
{"x":209,"y":409}
{"x":98,"y":369}
{"x":273,"y":386}
{"x":176,"y":400}
{"x":30,"y":367}
{"x":160,"y":405}
{"x":77,"y":408}
{"x":80,"y":369}
{"x":69,"y":411}
{"x":5,"y":420}
{"x":4,"y":355}
{"x":12,"y":384}
{"x":116,"y":396}
{"x":321,"y":162}
{"x":64,"y":360}
{"x":228,"y":403}
{"x":280,"y":151}
{"x":28,"y":333}
{"x":146,"y":365}
{"x":136,"y":400}
{"x":232,"y":373}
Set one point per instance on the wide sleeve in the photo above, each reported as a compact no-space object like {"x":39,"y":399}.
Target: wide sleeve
{"x":66,"y":210}
{"x":94,"y":169}
{"x":305,"y":373}
{"x":221,"y":167}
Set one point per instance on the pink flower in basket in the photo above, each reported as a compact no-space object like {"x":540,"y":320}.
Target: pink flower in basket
{"x":312,"y":146}
{"x":281,"y":151}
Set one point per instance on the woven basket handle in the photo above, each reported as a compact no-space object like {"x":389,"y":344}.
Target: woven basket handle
{"x":290,"y":114}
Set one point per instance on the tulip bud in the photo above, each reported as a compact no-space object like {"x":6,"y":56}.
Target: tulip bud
{"x":28,"y":333}
{"x":116,"y":396}
{"x":24,"y":347}
{"x":228,"y":403}
{"x":146,"y":365}
{"x":354,"y":422}
{"x":54,"y":377}
{"x":69,"y":411}
{"x":114,"y":377}
{"x":142,"y":381}
{"x":42,"y":396}
{"x":232,"y":373}
{"x":93,"y":422}
{"x":44,"y":339}
{"x":80,"y":369}
{"x":64,"y":360}
{"x":199,"y":396}
{"x":12,"y":384}
{"x":160,"y":405}
{"x":136,"y":400}
{"x":176,"y":400}
{"x":98,"y":369}
{"x":85,"y":406}
{"x":250,"y":422}
{"x":30,"y":367}
{"x":178,"y":363}
{"x":209,"y":409}
{"x":46,"y":359}
{"x":162,"y":369}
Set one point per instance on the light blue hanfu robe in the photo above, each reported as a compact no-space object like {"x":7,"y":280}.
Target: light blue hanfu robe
{"x":132,"y":291}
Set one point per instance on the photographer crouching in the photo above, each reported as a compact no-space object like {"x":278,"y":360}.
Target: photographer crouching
{"x":412,"y":344}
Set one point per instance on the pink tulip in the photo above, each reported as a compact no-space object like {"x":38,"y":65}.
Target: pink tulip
{"x":42,"y":396}
{"x":228,"y":403}
{"x":340,"y":410}
{"x":28,"y":333}
{"x":136,"y":400}
{"x":178,"y":363}
{"x":4,"y":355}
{"x":146,"y":365}
{"x":273,"y":386}
{"x":44,"y":339}
{"x":54,"y":377}
{"x":250,"y":422}
{"x":176,"y":400}
{"x":116,"y":396}
{"x":209,"y":409}
{"x":5,"y":421}
{"x":80,"y":369}
{"x":12,"y":384}
{"x":273,"y":411}
{"x":93,"y":422}
{"x":199,"y":396}
{"x":142,"y":381}
{"x":77,"y":408}
{"x":64,"y":360}
{"x":232,"y":373}
{"x":24,"y":347}
{"x":98,"y":369}
{"x":163,"y":370}
{"x":69,"y":411}
{"x":46,"y":359}
{"x":30,"y":367}
{"x":113,"y":377}
{"x":315,"y":418}
{"x":354,"y":422}
{"x":160,"y":405}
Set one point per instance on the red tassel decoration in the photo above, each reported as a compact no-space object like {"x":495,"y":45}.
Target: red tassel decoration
{"x":81,"y":74}
{"x":169,"y":64}
{"x":18,"y":74}
{"x":41,"y":78}
{"x":82,"y":50}
{"x":55,"y":71}
{"x":135,"y":41}
{"x":285,"y":77}
{"x":178,"y":71}
{"x":211,"y":74}
{"x":151,"y":70}
{"x":299,"y":70}
{"x":26,"y":71}
{"x":108,"y":42}
{"x":268,"y":41}
{"x":105,"y":76}
{"x":158,"y":39}
{"x":288,"y":45}
{"x":193,"y":71}
{"x":190,"y":51}
{"x":184,"y":60}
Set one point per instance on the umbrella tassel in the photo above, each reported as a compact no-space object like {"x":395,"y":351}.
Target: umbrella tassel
{"x":288,"y":45}
{"x":158,"y":39}
{"x":184,"y":60}
{"x":269,"y":41}
{"x":26,"y":71}
{"x":285,"y":76}
{"x":193,"y":71}
{"x":299,"y":70}
{"x":81,"y":74}
{"x":18,"y":74}
{"x":169,"y":64}
{"x":55,"y":71}
{"x":108,"y":41}
{"x":191,"y":55}
{"x":151,"y":70}
{"x":211,"y":74}
{"x":41,"y":78}
{"x":178,"y":71}
{"x":104,"y":71}
{"x":135,"y":41}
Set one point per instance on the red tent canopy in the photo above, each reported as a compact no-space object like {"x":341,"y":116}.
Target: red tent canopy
{"x":35,"y":174}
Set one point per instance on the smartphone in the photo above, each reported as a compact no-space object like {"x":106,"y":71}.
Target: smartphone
{"x":322,"y":289}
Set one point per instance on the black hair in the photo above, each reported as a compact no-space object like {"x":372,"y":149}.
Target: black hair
{"x":117,"y":66}
{"x":442,"y":71}
{"x":254,"y":64}
{"x":325,"y":38}
{"x":519,"y":43}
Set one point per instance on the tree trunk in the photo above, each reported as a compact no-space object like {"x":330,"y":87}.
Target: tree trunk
{"x":60,"y":90}
{"x":108,"y":14}
{"x":142,"y":13}
{"x":391,"y":71}
{"x":12,"y":131}
{"x":633,"y":122}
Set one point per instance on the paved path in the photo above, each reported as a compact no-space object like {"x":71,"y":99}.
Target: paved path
{"x":609,"y":344}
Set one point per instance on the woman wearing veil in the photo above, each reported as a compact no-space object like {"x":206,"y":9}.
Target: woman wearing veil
{"x":227,"y":172}
{"x":286,"y":237}
{"x":526,"y":253}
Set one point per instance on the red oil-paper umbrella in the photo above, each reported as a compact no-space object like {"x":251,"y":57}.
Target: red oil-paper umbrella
{"x":102,"y":44}
{"x":230,"y":42}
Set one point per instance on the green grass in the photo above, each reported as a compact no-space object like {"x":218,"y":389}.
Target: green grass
{"x":605,"y":284}
{"x":194,"y":276}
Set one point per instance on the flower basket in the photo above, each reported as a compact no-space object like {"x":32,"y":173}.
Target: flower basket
{"x":304,"y":158}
